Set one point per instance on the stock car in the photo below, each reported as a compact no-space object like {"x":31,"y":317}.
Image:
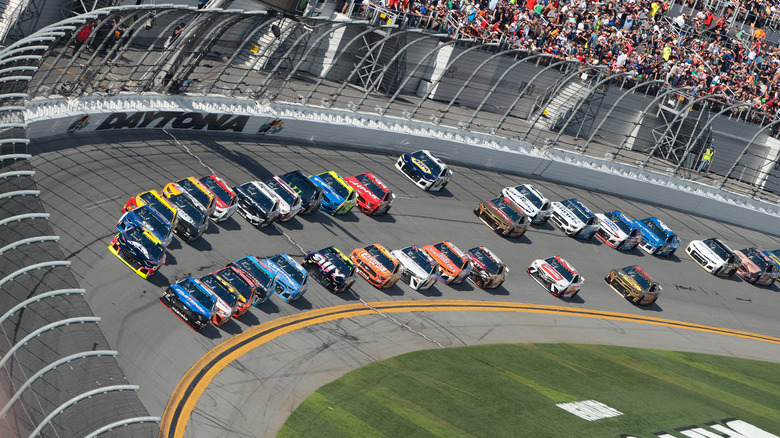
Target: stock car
{"x":262,"y":277}
{"x":194,"y":303}
{"x":256,"y":203}
{"x":224,"y":197}
{"x":425,"y":170}
{"x":290,"y":203}
{"x":531,"y":201}
{"x":756,"y":268}
{"x":147,"y":218}
{"x":338,"y":196}
{"x":227,"y":300}
{"x":157,"y":201}
{"x":239,"y":284}
{"x":331,"y":268}
{"x":311,"y":195}
{"x":773,"y":256}
{"x":574,"y":219}
{"x":199,"y":194}
{"x":292,"y":280}
{"x":657,"y":238}
{"x":373,"y":196}
{"x":618,"y":231}
{"x":487,"y":270}
{"x":634,"y":284}
{"x":453,"y":263}
{"x":556,"y":275}
{"x":140,"y":250}
{"x":192,"y":222}
{"x":501,"y":216}
{"x":418,"y":269}
{"x":376,"y":265}
{"x":713,"y":256}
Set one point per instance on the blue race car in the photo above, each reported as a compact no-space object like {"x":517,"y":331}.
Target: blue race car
{"x":190,"y":301}
{"x":338,"y":196}
{"x":261,"y":274}
{"x":657,"y":238}
{"x":425,"y":170}
{"x":148,"y":218}
{"x":618,"y":231}
{"x":774,"y":256}
{"x":139,"y":249}
{"x":291,"y":278}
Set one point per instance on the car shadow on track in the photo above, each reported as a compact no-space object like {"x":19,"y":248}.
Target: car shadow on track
{"x":201,"y":244}
{"x":501,"y":290}
{"x":248,"y":319}
{"x":159,"y":279}
{"x":576,"y":299}
{"x":211,"y":332}
{"x":302,"y":304}
{"x":231,"y":327}
{"x":386,"y":218}
{"x":230,"y":224}
{"x":433,"y":291}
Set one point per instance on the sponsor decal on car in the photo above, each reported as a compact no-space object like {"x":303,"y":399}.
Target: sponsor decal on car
{"x":421,"y":165}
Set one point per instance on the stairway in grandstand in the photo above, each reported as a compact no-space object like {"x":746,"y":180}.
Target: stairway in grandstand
{"x":560,"y":105}
{"x":380,"y":68}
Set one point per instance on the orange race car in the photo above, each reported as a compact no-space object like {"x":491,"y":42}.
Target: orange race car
{"x":455,"y":266}
{"x":376,"y":265}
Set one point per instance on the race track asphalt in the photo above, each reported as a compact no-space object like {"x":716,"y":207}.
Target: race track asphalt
{"x":86,"y":178}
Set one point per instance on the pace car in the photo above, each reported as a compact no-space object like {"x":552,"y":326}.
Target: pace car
{"x":149,"y":219}
{"x":290,"y":276}
{"x":557,"y":276}
{"x":574,"y":219}
{"x":657,"y":238}
{"x":501,"y":216}
{"x":425,"y":170}
{"x":140,"y":250}
{"x":338,"y":196}
{"x":264,"y":280}
{"x":193,"y":221}
{"x":311,"y":195}
{"x":531,"y":201}
{"x":257,"y":203}
{"x":487,"y":270}
{"x":633,"y":283}
{"x":418,"y":269}
{"x":241,"y":285}
{"x":373,"y":196}
{"x":201,"y":196}
{"x":376,"y":265}
{"x":756,"y":268}
{"x":290,"y":203}
{"x":618,"y":231}
{"x":191,"y":301}
{"x":713,"y":256}
{"x":331,"y":268}
{"x":157,"y":201}
{"x":453,"y":263}
{"x":224,"y":197}
{"x":227,"y":300}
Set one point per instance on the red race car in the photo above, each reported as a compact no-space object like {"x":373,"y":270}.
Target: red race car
{"x":224,"y":197}
{"x":373,"y":196}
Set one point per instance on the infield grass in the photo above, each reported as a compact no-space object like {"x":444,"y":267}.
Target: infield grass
{"x":511,"y":390}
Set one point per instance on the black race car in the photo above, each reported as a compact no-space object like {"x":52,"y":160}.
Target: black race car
{"x":192,"y":221}
{"x":331,"y":268}
{"x":257,"y":203}
{"x":311,"y":195}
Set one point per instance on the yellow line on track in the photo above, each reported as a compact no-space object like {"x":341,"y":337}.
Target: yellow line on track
{"x":194,"y":383}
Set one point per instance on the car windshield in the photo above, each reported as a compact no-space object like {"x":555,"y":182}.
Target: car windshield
{"x":718,"y":248}
{"x":381,"y":257}
{"x":242,"y":287}
{"x":157,"y":225}
{"x":197,"y":293}
{"x":136,"y":238}
{"x":187,"y":209}
{"x":755,"y":257}
{"x":432,"y":165}
{"x":161,"y":208}
{"x":578,"y":209}
{"x":619,"y":222}
{"x":373,"y":187}
{"x":640,"y":278}
{"x":419,"y":258}
{"x":333,"y":256}
{"x":259,"y":197}
{"x":219,"y":289}
{"x":658,"y":231}
{"x":283,"y":193}
{"x":450,"y":254}
{"x":217,"y":189}
{"x":196,"y":192}
{"x":335,"y":184}
{"x":508,"y":210}
{"x":531,"y":196}
{"x":291,"y":270}
{"x":251,"y":268}
{"x":560,"y":268}
{"x":487,"y":260}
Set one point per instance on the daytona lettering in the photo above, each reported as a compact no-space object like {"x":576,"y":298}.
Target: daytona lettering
{"x":175,"y":120}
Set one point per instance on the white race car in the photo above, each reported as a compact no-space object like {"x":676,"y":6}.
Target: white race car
{"x":556,"y":276}
{"x":618,"y":231}
{"x":574,"y":219}
{"x":290,"y":203}
{"x":714,"y":256}
{"x":420,"y":271}
{"x":531,"y":201}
